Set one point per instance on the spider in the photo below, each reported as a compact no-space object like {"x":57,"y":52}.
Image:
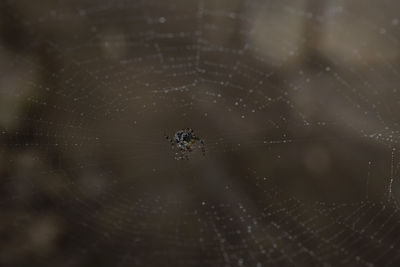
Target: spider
{"x":184,"y":140}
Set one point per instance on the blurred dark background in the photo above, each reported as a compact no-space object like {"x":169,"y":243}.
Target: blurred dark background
{"x":297,"y":101}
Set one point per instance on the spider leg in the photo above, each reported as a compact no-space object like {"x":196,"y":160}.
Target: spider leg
{"x":184,"y":155}
{"x":169,"y":139}
{"x":172,"y":143}
{"x":203,"y":149}
{"x":179,"y":155}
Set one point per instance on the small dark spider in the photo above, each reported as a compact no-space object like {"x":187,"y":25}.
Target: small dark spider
{"x":184,"y":140}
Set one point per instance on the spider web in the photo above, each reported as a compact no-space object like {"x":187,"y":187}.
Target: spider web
{"x":297,"y":103}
